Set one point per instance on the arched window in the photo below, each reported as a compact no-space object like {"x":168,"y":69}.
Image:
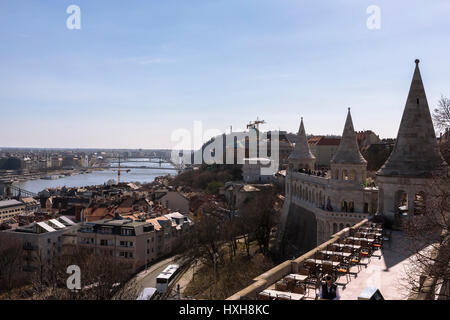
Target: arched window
{"x":353,"y":175}
{"x":329,"y":206}
{"x":351,"y":207}
{"x":366,"y":207}
{"x":344,"y":175}
{"x":335,"y":228}
{"x":401,"y":202}
{"x":336,"y":174}
{"x":344,"y":206}
{"x":341,"y":226}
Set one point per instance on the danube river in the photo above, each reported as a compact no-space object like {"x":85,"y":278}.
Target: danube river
{"x":100,"y":177}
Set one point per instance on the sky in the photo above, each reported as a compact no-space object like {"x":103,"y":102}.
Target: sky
{"x":136,"y":71}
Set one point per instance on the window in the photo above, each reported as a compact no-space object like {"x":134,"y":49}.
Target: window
{"x":106,"y":230}
{"x":126,"y":232}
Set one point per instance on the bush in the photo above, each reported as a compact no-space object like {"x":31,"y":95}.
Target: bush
{"x":214,"y":186}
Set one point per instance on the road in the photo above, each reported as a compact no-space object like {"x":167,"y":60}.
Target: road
{"x":147,"y":278}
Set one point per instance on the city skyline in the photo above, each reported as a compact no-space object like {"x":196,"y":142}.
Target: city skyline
{"x":134,"y":74}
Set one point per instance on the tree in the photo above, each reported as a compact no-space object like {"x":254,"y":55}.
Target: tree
{"x":11,"y":262}
{"x":103,"y":277}
{"x":213,"y":187}
{"x":259,"y":216}
{"x":429,"y":238}
{"x":204,"y":240}
{"x":441,"y":114}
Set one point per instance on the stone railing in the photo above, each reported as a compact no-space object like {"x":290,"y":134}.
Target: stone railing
{"x":289,"y":266}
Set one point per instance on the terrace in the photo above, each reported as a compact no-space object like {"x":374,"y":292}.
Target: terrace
{"x":357,"y":258}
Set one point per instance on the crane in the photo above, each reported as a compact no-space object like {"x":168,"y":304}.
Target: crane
{"x":255,"y":124}
{"x":119,"y":171}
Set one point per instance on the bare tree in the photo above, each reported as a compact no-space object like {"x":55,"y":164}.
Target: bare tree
{"x":259,"y":216}
{"x":429,"y":238}
{"x":441,"y":114}
{"x":11,"y":262}
{"x":103,"y":277}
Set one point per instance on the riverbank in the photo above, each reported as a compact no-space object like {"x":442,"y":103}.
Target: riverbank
{"x":83,"y":177}
{"x":54,"y":174}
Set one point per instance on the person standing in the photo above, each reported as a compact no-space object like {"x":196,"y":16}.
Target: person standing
{"x":328,"y":290}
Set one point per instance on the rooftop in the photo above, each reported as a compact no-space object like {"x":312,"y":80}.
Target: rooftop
{"x":9,"y":203}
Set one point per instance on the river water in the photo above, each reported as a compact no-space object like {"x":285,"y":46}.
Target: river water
{"x":100,"y":177}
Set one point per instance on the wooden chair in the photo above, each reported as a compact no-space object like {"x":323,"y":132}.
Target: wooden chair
{"x":336,"y":258}
{"x":365,"y":253}
{"x":303,"y":272}
{"x":312,"y":281}
{"x":263,"y":296}
{"x":290,"y":284}
{"x":300,"y":288}
{"x":355,"y":260}
{"x":281,"y":286}
{"x":319,"y":256}
{"x":343,"y":269}
{"x":376,"y":246}
{"x":327,"y":268}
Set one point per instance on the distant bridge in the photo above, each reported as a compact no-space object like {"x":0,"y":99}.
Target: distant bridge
{"x":143,"y":160}
{"x":22,"y":192}
{"x":143,"y":167}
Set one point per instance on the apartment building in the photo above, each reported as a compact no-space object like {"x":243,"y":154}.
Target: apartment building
{"x":42,"y":241}
{"x":10,"y":209}
{"x":135,"y":243}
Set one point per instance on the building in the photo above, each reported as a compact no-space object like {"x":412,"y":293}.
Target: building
{"x":403,"y":179}
{"x":323,"y":148}
{"x":10,"y":209}
{"x":253,"y":170}
{"x":320,"y":204}
{"x":31,"y":204}
{"x":44,"y":240}
{"x":134,"y":243}
{"x":175,"y":201}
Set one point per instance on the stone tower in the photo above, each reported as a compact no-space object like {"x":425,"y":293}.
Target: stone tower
{"x":348,"y":164}
{"x":402,"y":179}
{"x":301,"y":157}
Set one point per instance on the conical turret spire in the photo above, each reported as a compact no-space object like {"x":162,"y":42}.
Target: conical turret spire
{"x":416,"y":150}
{"x":301,"y":150}
{"x":348,"y":150}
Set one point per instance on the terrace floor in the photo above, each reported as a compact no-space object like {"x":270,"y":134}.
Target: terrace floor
{"x":387,"y":273}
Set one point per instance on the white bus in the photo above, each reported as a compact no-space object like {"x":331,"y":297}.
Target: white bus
{"x":164,"y":278}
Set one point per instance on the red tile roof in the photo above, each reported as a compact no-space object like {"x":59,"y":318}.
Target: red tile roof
{"x":324,"y":141}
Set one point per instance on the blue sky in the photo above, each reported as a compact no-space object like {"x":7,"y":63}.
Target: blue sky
{"x":138,"y":70}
